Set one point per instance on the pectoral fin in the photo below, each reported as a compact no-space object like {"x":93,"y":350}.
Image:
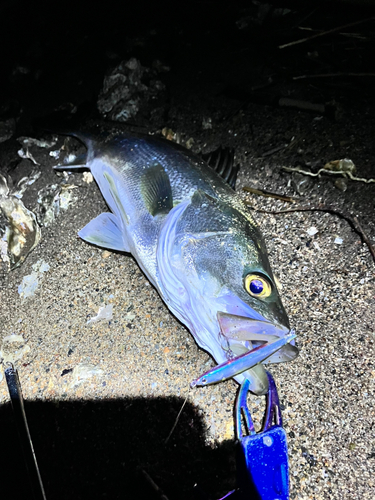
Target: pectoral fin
{"x":156,"y":190}
{"x":105,"y":231}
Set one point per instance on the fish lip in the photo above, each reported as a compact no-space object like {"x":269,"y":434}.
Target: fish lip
{"x":246,"y":328}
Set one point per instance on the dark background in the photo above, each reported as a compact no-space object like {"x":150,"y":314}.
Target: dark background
{"x":52,"y":53}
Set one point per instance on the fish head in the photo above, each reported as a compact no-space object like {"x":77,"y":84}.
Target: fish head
{"x":220,"y":283}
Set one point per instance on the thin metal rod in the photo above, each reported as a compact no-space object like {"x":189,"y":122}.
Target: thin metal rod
{"x":16,"y":398}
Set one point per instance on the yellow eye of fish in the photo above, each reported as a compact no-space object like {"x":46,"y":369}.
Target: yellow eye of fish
{"x":257,"y":286}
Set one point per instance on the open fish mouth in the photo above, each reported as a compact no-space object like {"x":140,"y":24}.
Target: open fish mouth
{"x":244,"y":329}
{"x":251,"y":343}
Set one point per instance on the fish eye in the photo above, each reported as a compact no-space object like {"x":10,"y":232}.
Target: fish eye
{"x":257,"y":286}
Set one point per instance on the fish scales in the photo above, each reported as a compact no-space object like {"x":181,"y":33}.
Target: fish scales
{"x":194,"y":239}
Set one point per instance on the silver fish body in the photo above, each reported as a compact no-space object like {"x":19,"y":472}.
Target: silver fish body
{"x":193,"y":238}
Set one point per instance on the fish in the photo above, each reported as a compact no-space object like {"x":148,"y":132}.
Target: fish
{"x":194,"y":239}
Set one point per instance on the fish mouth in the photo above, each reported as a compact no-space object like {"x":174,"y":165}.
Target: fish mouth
{"x":243,"y":333}
{"x":244,"y":329}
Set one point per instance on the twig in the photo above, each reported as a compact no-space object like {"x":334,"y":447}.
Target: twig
{"x":332,"y":75}
{"x":358,"y":36}
{"x":267,"y":194}
{"x":283,"y":147}
{"x":227,"y":495}
{"x":274,"y":150}
{"x":302,"y":105}
{"x":177,"y":418}
{"x":154,"y":486}
{"x":333,"y":30}
{"x":352,"y":219}
{"x":344,"y":173}
{"x":304,"y":18}
{"x":364,"y":236}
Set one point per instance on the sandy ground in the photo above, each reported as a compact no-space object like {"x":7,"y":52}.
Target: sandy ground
{"x":102,"y":396}
{"x":143,"y":352}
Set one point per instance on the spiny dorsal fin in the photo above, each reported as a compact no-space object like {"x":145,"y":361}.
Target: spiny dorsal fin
{"x":222,"y":161}
{"x":156,"y":190}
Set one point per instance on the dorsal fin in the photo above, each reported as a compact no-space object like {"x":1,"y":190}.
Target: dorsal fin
{"x":222,"y":161}
{"x":156,"y":190}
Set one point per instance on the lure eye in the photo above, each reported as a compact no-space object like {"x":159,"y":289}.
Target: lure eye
{"x":257,"y":286}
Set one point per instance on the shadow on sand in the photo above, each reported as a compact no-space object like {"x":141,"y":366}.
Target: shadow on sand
{"x":99,"y":449}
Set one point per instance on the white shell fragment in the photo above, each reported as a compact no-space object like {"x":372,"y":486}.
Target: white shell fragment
{"x":207,"y":123}
{"x":87,"y":177}
{"x":338,"y":241}
{"x":25,"y":182}
{"x":22,"y":232}
{"x":312,"y":231}
{"x":83,"y":372}
{"x":104,"y":314}
{"x":13,"y":348}
{"x":30,"y":282}
{"x":4,"y":253}
{"x":70,"y":158}
{"x":26,"y":155}
{"x":41,"y":143}
{"x":67,"y":197}
{"x":52,"y":199}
